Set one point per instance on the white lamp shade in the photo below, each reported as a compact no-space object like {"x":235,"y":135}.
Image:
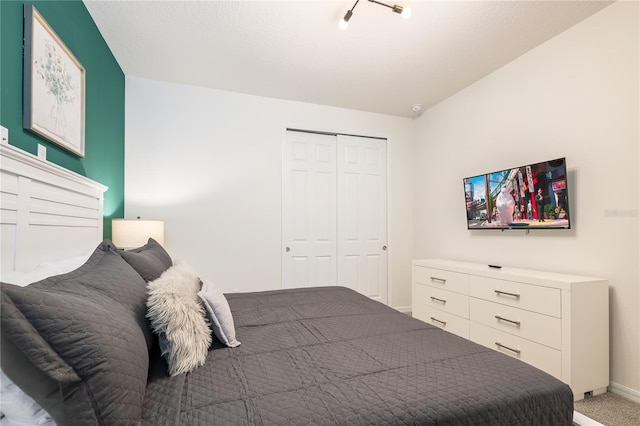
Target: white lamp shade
{"x":132,"y":233}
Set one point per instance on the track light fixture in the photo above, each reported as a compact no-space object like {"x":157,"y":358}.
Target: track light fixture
{"x":405,"y":12}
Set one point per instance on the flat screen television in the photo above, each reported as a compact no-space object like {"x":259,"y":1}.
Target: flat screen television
{"x":533,"y":196}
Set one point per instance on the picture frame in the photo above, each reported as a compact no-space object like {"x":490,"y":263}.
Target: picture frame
{"x":53,"y":86}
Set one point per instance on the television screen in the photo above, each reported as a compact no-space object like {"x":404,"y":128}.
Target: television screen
{"x":533,"y":196}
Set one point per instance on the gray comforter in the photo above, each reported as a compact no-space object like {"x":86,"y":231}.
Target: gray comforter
{"x":331,"y":356}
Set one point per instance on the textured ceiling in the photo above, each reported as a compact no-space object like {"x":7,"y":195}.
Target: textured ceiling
{"x":294,"y":49}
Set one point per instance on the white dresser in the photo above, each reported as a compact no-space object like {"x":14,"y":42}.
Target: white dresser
{"x":558,"y":323}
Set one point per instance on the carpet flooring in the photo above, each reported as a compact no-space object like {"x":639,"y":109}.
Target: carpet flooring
{"x":610,"y":410}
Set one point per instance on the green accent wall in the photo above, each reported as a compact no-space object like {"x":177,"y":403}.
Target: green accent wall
{"x":104,"y":96}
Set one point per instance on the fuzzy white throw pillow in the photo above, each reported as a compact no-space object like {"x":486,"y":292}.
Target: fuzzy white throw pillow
{"x":179,"y":319}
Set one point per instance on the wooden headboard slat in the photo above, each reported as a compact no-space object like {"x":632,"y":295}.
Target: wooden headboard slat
{"x":47,"y":213}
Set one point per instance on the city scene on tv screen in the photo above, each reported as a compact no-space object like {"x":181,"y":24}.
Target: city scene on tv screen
{"x":532,"y":196}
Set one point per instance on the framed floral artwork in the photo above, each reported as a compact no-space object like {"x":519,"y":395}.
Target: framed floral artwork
{"x":53,"y":86}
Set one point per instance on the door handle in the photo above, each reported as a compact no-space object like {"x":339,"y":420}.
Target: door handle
{"x":287,"y":249}
{"x":384,"y":247}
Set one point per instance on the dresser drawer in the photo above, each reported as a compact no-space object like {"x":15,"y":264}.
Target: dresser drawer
{"x":543,"y":329}
{"x":447,"y":280}
{"x":448,"y":301}
{"x":544,"y":300}
{"x":444,"y":320}
{"x":540,"y":356}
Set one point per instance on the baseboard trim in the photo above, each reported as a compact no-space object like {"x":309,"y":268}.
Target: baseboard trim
{"x":625,"y":392}
{"x":403,"y":309}
{"x":582,"y":420}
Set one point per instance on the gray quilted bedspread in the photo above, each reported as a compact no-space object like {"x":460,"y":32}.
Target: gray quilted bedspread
{"x":331,"y":356}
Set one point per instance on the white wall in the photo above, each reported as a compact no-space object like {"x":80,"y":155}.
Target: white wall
{"x":575,"y":96}
{"x":209,"y":163}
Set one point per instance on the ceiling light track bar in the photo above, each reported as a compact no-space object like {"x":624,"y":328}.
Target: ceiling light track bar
{"x":405,"y":12}
{"x":381,"y":4}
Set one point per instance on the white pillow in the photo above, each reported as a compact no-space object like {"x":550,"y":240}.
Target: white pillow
{"x":44,"y":270}
{"x":219,"y":314}
{"x":179,"y":319}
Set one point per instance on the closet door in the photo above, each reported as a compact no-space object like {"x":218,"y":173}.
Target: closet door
{"x":334,"y":212}
{"x":362,"y":215}
{"x":309,"y":210}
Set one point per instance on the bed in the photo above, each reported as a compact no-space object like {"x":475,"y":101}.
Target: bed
{"x":332,"y":356}
{"x":80,"y":344}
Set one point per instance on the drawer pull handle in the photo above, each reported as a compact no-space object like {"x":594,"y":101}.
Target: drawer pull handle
{"x":500,"y":345}
{"x":439,"y":321}
{"x":499,"y":318}
{"x":440,"y":280}
{"x":500,"y":293}
{"x":435,"y":299}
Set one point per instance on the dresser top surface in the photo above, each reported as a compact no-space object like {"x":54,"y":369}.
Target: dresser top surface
{"x":506,"y":273}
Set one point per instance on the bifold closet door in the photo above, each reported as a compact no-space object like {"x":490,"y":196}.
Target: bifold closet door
{"x":309,"y":210}
{"x":335,"y":212}
{"x":362,"y":215}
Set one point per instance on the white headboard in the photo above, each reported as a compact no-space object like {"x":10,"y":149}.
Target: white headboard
{"x":47,"y":213}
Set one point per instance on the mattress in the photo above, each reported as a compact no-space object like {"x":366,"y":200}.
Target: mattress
{"x":332,"y":356}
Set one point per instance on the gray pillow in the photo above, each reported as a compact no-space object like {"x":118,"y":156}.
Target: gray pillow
{"x":150,"y":260}
{"x":219,"y":314}
{"x":179,"y":319}
{"x":85,"y":337}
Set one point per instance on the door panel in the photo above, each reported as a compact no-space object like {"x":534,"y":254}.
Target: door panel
{"x":309,"y":204}
{"x":362,"y":215}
